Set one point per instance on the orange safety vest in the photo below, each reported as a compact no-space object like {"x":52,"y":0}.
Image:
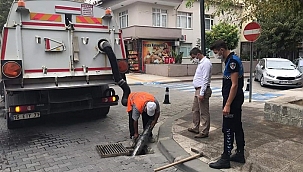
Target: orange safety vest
{"x":139,"y":99}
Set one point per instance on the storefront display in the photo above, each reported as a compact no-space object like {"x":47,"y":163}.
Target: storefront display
{"x":141,"y":52}
{"x":156,"y":52}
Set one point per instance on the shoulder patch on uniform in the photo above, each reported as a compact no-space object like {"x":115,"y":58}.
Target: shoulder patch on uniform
{"x":232,"y":65}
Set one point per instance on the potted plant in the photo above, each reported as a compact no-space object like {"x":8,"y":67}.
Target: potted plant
{"x":178,"y":57}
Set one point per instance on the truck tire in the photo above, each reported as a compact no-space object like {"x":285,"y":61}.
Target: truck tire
{"x":11,"y":124}
{"x":99,"y":112}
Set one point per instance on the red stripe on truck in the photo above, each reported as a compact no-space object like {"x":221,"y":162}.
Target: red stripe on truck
{"x":67,"y":8}
{"x":4,"y":41}
{"x":90,"y":26}
{"x":66,"y":70}
{"x":42,"y":24}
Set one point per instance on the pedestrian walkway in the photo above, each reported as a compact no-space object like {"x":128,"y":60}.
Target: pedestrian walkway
{"x":140,"y":78}
{"x":216,"y":91}
{"x":270,"y":147}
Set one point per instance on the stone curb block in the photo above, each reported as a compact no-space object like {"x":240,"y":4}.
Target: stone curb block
{"x":172,"y":150}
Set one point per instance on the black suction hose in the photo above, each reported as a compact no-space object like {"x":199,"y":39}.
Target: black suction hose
{"x":104,"y":46}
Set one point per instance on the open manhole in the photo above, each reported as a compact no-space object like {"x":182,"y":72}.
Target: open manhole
{"x":297,"y":102}
{"x":111,"y":150}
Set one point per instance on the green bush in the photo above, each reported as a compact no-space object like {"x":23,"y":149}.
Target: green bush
{"x":224,"y":31}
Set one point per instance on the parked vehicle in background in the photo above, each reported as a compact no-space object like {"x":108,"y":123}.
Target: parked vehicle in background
{"x":278,"y":72}
{"x":299,"y":63}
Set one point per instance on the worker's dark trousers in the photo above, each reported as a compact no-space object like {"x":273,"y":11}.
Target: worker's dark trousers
{"x":145,"y":120}
{"x":233,"y":126}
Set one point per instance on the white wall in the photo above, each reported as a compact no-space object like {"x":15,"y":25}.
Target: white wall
{"x":140,"y":13}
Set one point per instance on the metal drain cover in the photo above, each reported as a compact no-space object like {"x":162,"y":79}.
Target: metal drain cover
{"x":111,"y":150}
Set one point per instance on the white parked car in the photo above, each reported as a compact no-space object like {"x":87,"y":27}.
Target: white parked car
{"x":278,"y":72}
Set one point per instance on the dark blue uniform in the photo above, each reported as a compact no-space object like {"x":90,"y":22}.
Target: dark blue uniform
{"x":232,"y":126}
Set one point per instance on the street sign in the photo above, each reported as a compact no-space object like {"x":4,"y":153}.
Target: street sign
{"x":252,"y":31}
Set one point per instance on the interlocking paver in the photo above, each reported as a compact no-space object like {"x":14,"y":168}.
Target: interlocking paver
{"x":51,"y":168}
{"x":32,"y":165}
{"x":68,"y":142}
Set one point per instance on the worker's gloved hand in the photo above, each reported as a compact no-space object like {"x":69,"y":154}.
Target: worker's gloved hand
{"x":153,"y":123}
{"x":134,"y":140}
{"x":136,"y":135}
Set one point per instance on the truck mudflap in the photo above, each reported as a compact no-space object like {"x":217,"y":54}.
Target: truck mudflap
{"x":105,"y":46}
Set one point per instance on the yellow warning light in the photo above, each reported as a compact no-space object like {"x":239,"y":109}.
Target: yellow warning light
{"x":108,"y":11}
{"x":21,"y":3}
{"x":17,"y":109}
{"x":114,"y":99}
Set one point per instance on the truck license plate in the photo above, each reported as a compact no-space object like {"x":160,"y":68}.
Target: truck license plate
{"x":26,"y":116}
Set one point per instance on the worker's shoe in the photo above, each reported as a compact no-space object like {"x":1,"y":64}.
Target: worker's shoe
{"x":222,"y":163}
{"x":193,"y":130}
{"x":201,"y":135}
{"x":238,"y":157}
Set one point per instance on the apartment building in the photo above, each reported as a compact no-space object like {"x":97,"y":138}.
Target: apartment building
{"x":152,"y":29}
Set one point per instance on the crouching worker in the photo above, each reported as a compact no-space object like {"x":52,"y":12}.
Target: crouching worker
{"x":145,"y":104}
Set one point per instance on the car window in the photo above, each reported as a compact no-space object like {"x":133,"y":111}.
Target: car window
{"x":287,"y":65}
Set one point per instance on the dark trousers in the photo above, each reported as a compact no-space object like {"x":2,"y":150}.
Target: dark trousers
{"x":232,"y":127}
{"x":145,"y":120}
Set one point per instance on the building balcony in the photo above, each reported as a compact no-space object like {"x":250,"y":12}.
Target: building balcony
{"x":148,"y":32}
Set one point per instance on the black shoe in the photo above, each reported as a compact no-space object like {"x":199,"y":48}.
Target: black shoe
{"x":238,"y":157}
{"x":222,"y":163}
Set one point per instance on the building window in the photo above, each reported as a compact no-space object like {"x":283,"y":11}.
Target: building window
{"x":159,"y":17}
{"x":184,"y":20}
{"x":209,"y":22}
{"x":123,"y":19}
{"x":185,"y":48}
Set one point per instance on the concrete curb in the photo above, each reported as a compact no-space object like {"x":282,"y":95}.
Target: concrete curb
{"x":172,"y":150}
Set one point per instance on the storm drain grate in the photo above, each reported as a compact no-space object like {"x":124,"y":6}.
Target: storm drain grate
{"x":111,"y":150}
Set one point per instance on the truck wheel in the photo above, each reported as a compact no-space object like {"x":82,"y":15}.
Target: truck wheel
{"x":11,"y":124}
{"x":99,"y":112}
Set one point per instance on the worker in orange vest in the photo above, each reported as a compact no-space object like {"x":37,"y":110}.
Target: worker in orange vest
{"x":145,"y":104}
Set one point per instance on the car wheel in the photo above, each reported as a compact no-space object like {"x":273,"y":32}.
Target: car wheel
{"x":262,"y":81}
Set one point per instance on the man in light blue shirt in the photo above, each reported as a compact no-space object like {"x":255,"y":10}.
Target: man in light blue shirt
{"x":203,"y":92}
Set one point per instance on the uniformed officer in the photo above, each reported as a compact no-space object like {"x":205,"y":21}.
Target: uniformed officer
{"x":233,"y":98}
{"x":145,"y":104}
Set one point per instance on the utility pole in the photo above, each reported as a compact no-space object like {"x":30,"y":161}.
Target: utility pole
{"x":202,"y":18}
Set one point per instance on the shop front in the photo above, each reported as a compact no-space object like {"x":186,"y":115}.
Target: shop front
{"x":149,"y":47}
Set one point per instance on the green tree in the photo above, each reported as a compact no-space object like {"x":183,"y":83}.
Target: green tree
{"x":4,"y":9}
{"x":224,"y":31}
{"x":281,"y":34}
{"x":252,"y":9}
